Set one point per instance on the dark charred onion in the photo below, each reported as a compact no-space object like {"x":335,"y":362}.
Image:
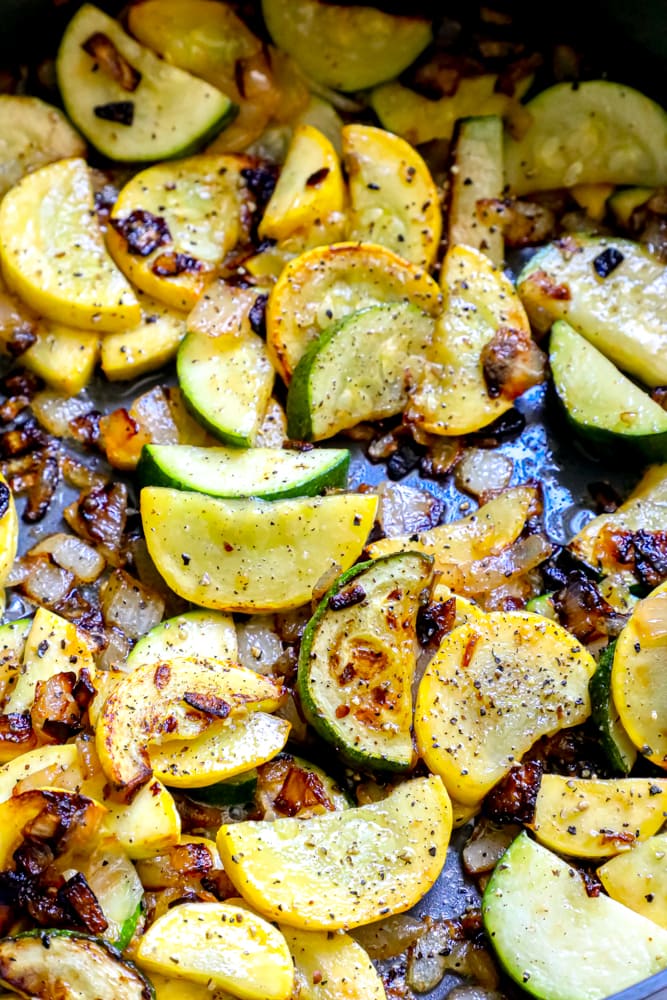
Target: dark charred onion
{"x":582,"y":609}
{"x":513,"y":799}
{"x":512,"y":363}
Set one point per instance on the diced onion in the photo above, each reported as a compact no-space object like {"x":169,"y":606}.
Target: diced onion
{"x":259,"y":645}
{"x":390,"y":937}
{"x":72,"y":554}
{"x":481,"y":471}
{"x":404,"y":510}
{"x":46,"y":582}
{"x":486,"y":846}
{"x":54,"y":411}
{"x":130,"y":606}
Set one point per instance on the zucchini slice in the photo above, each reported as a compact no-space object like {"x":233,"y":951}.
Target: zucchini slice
{"x":602,"y":405}
{"x":114,"y":880}
{"x":380,"y":859}
{"x":53,"y":255}
{"x":267,"y":473}
{"x":131,"y":105}
{"x":597,"y":817}
{"x":195,"y":633}
{"x":358,"y":657}
{"x":349,"y":48}
{"x":173,"y":224}
{"x":325,"y":284}
{"x":45,"y":964}
{"x":393,"y":199}
{"x":221,"y":944}
{"x":638,"y":679}
{"x":454,"y":395}
{"x":638,"y":878}
{"x":591,"y":132}
{"x":477,"y":173}
{"x":34,"y":133}
{"x":252,"y":555}
{"x":611,"y":291}
{"x":492,"y":689}
{"x":226,"y":382}
{"x":358,"y":369}
{"x":420,"y":119}
{"x":238,"y":790}
{"x":619,"y":749}
{"x":554,"y":939}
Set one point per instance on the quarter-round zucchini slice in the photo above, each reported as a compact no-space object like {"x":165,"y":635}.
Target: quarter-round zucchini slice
{"x":325,"y":284}
{"x":267,"y":473}
{"x":194,"y":633}
{"x":554,"y":939}
{"x":602,"y":405}
{"x":358,"y":657}
{"x":130,"y":104}
{"x":49,"y":963}
{"x":593,"y":132}
{"x":53,"y":255}
{"x":34,"y":133}
{"x":226,"y":381}
{"x":619,"y":749}
{"x":252,"y":555}
{"x":349,"y":48}
{"x":358,"y":369}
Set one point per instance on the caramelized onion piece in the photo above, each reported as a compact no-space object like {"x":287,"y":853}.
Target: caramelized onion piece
{"x":129,"y":605}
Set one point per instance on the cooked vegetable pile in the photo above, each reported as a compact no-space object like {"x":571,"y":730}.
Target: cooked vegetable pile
{"x":246,"y":696}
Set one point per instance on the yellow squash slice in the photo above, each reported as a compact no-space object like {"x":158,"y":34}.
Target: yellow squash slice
{"x":176,"y":699}
{"x":323,"y":285}
{"x":153,"y":343}
{"x":64,"y":357}
{"x":174,"y":223}
{"x":252,"y":555}
{"x":34,"y":133}
{"x":224,"y":750}
{"x":145,"y":826}
{"x":223,"y":945}
{"x":9,"y":530}
{"x":639,"y":679}
{"x":53,"y":254}
{"x":393,"y":198}
{"x":638,"y":878}
{"x":481,"y":310}
{"x":310,"y":189}
{"x":331,"y":967}
{"x":595,"y":817}
{"x":342,"y":869}
{"x":53,"y":646}
{"x":493,"y":688}
{"x":168,"y":988}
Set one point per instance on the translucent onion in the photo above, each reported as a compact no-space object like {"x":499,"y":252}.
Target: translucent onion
{"x":481,"y":471}
{"x":390,"y":937}
{"x":259,"y":645}
{"x":72,"y":554}
{"x":54,"y":410}
{"x":404,"y":510}
{"x":129,"y":605}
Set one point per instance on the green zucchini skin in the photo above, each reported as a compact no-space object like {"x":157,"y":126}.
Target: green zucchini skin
{"x":373,"y":588}
{"x":603,"y":407}
{"x":39,"y":963}
{"x":617,"y":745}
{"x":236,"y":791}
{"x":229,"y":472}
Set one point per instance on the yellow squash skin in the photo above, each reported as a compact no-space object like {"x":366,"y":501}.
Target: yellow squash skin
{"x":638,"y":677}
{"x":380,"y":859}
{"x":252,"y":555}
{"x":223,"y":945}
{"x":323,"y":285}
{"x":393,"y":198}
{"x":9,"y":532}
{"x":310,"y":189}
{"x":200,"y":201}
{"x":595,"y":817}
{"x":176,"y":699}
{"x":453,"y":397}
{"x":493,"y":688}
{"x":53,"y":254}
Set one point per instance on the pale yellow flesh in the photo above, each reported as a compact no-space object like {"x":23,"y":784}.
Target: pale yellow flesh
{"x":34,"y":133}
{"x":223,"y":945}
{"x":300,"y":199}
{"x":477,"y":173}
{"x":597,"y":818}
{"x":53,"y":255}
{"x":453,"y":397}
{"x":638,"y":878}
{"x":195,"y":633}
{"x":65,"y":358}
{"x":224,"y":750}
{"x":9,"y":535}
{"x":343,"y":869}
{"x":252,"y":555}
{"x":331,"y":967}
{"x":150,"y":345}
{"x":393,"y":198}
{"x":492,"y":689}
{"x":323,"y":285}
{"x":639,"y":679}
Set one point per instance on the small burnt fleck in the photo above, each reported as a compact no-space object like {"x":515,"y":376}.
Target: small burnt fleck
{"x":317,"y":177}
{"x":347,"y":598}
{"x":4,"y":499}
{"x":607,"y":261}
{"x":142,"y":231}
{"x":257,"y":315}
{"x":170,"y":265}
{"x":119,"y":112}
